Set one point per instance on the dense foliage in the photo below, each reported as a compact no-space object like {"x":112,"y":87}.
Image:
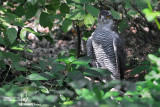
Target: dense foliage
{"x":62,"y":81}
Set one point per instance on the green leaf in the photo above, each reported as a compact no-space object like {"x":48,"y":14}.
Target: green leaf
{"x":23,"y":33}
{"x":82,"y":1}
{"x":92,"y":73}
{"x":31,"y":10}
{"x":2,"y":64}
{"x":139,"y":69}
{"x":51,"y":8}
{"x":20,"y":1}
{"x":76,"y":14}
{"x":83,"y":61}
{"x":58,"y":67}
{"x":39,"y":76}
{"x":66,"y":25}
{"x":123,"y":25}
{"x":89,"y":20}
{"x":32,"y":1}
{"x":64,"y":8}
{"x":104,"y":72}
{"x":19,"y":79}
{"x":153,"y":58}
{"x":99,"y":93}
{"x":2,"y":41}
{"x":17,"y":67}
{"x":45,"y":20}
{"x":12,"y":34}
{"x":150,"y":15}
{"x":29,"y":50}
{"x":115,"y":14}
{"x":42,"y":64}
{"x":55,"y":1}
{"x":141,"y":4}
{"x":76,"y":75}
{"x":51,"y":98}
{"x":14,"y":57}
{"x":17,"y":48}
{"x":154,"y":2}
{"x":94,"y":11}
{"x":20,"y":11}
{"x":44,"y":89}
{"x":132,"y":13}
{"x":111,"y":94}
{"x":153,"y":75}
{"x":71,"y":59}
{"x":127,"y":4}
{"x":42,"y":2}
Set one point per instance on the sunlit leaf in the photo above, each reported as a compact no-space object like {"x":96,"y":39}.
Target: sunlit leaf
{"x":150,"y":15}
{"x":89,"y":20}
{"x":39,"y":76}
{"x":93,"y":11}
{"x":76,"y":14}
{"x":44,"y":89}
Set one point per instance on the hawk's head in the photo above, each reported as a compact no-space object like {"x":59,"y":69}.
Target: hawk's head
{"x":105,"y":17}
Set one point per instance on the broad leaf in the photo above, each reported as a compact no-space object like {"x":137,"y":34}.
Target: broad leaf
{"x":83,"y":61}
{"x":89,"y":20}
{"x":141,"y":4}
{"x":12,"y":34}
{"x":31,"y":10}
{"x":94,"y":11}
{"x":139,"y":69}
{"x":76,"y":14}
{"x":66,"y":25}
{"x":150,"y":15}
{"x":104,"y":72}
{"x":127,"y":4}
{"x":42,"y":2}
{"x":39,"y":76}
{"x":45,"y":20}
{"x":123,"y":25}
{"x":115,"y":14}
{"x":23,"y":33}
{"x":44,"y":89}
{"x":20,"y":11}
{"x":64,"y":8}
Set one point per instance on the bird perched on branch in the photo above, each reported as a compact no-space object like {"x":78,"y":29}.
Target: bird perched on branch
{"x":106,"y":48}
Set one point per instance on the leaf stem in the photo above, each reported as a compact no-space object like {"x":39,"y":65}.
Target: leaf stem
{"x":149,"y":5}
{"x":157,"y":23}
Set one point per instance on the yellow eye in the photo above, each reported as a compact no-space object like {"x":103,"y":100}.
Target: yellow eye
{"x":107,"y":16}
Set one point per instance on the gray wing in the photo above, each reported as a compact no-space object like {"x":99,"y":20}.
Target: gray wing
{"x":120,"y":52}
{"x":90,"y":51}
{"x":89,"y":47}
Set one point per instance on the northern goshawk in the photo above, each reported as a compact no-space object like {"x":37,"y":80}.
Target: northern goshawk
{"x":106,"y":48}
